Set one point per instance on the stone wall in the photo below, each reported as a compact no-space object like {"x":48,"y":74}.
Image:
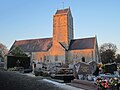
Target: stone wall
{"x":55,"y":54}
{"x":76,"y":55}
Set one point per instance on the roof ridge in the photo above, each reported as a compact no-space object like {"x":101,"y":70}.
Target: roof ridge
{"x":84,"y":38}
{"x":33,"y":39}
{"x":62,"y":11}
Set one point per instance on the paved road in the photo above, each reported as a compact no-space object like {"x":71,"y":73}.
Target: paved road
{"x":17,"y":81}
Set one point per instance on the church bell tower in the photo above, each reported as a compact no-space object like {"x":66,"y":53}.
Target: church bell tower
{"x":63,"y":27}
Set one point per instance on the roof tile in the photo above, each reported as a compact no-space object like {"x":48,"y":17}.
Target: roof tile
{"x":84,"y":43}
{"x":34,"y":45}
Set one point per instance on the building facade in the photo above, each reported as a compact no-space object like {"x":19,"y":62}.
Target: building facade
{"x":62,"y":47}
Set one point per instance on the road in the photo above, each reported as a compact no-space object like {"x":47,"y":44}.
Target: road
{"x":17,"y":81}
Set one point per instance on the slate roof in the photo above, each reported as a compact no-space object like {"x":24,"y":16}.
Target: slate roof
{"x":44,"y":44}
{"x":34,"y":45}
{"x":84,"y":43}
{"x":62,"y":11}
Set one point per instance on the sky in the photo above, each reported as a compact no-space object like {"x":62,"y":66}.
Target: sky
{"x":31,"y":19}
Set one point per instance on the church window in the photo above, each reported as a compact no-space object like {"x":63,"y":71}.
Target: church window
{"x":83,"y":59}
{"x":56,"y":58}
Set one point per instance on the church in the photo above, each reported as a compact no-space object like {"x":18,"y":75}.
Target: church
{"x":62,"y":47}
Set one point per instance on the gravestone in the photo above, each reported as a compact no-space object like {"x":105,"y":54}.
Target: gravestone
{"x":93,"y":65}
{"x":110,"y":68}
{"x":84,"y":69}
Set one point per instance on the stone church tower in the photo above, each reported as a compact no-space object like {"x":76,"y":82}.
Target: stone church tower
{"x":63,"y":27}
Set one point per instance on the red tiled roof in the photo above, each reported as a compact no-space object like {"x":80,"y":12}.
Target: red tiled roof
{"x":79,"y":44}
{"x":34,"y":45}
{"x":62,"y":11}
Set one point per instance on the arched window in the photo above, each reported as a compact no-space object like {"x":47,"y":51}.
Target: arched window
{"x":83,"y":59}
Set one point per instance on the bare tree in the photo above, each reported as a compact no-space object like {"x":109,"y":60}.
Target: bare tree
{"x":3,"y":50}
{"x":108,"y":52}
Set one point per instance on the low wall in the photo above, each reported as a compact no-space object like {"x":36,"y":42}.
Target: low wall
{"x":87,"y":85}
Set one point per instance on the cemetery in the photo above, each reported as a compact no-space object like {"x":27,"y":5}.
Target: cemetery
{"x":91,"y":75}
{"x":87,"y":74}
